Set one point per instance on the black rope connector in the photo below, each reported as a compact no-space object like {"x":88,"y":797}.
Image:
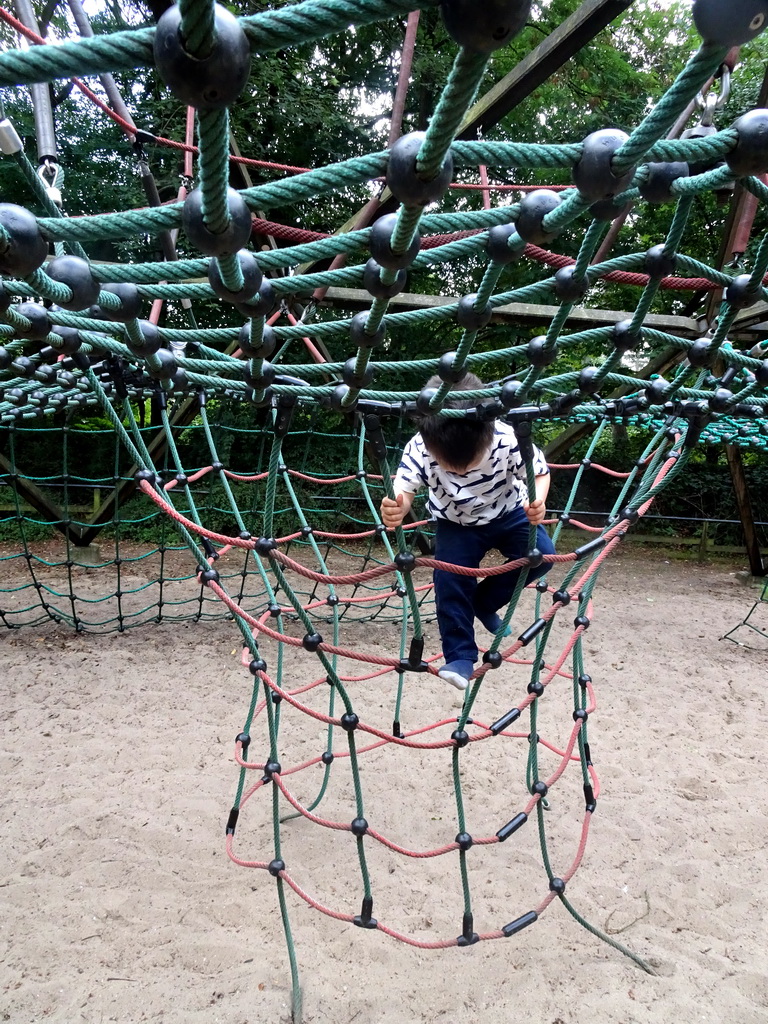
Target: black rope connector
{"x":209,"y":549}
{"x":535,"y":558}
{"x":587,"y":754}
{"x":327,"y":757}
{"x":284,"y":414}
{"x":274,"y":610}
{"x":630,"y":514}
{"x":536,"y":688}
{"x":542,"y":586}
{"x":468,"y":935}
{"x":359,"y":827}
{"x":405,"y":665}
{"x":590,"y":547}
{"x":234,"y":814}
{"x":217,"y":467}
{"x":271,"y":768}
{"x":332,"y":600}
{"x":505,"y":721}
{"x":311,"y":641}
{"x":589,"y":796}
{"x":307,"y":531}
{"x":375,"y":436}
{"x":265,"y":544}
{"x":532,"y":632}
{"x":521,"y":922}
{"x":465,"y":840}
{"x":557,"y":885}
{"x":256,"y":666}
{"x":145,"y":474}
{"x":405,"y":561}
{"x":275,"y":867}
{"x":416,"y":652}
{"x":561,"y":597}
{"x":492,"y":658}
{"x":540,"y":789}
{"x":460,"y":737}
{"x":364,"y":918}
{"x":208,"y":575}
{"x":581,"y":620}
{"x":349,"y":721}
{"x":580,"y":715}
{"x":512,"y":826}
{"x":584,"y":681}
{"x":244,"y":740}
{"x":244,"y":535}
{"x":397,"y":730}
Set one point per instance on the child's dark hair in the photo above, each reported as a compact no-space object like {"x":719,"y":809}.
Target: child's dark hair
{"x":457,"y":441}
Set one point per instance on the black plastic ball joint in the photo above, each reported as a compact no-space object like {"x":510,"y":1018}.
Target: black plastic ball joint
{"x":355,"y":380}
{"x":359,"y":827}
{"x":208,"y":83}
{"x":750,"y":154}
{"x":257,"y":665}
{"x":659,"y":263}
{"x":460,"y":737}
{"x":39,"y":321}
{"x":373,"y":283}
{"x":536,"y":688}
{"x":130,"y":303}
{"x":732,"y":23}
{"x":471,"y":318}
{"x":741,"y":293}
{"x":380,"y":242}
{"x":165,"y":366}
{"x":449,"y":371}
{"x":349,"y":721}
{"x":27,"y":249}
{"x":533,"y":209}
{"x":403,"y":178}
{"x":260,"y":304}
{"x":501,"y":247}
{"x":360,"y":337}
{"x":464,"y":841}
{"x":487,"y":26}
{"x":252,"y":278}
{"x":263,"y":349}
{"x":538,"y":353}
{"x":540,"y":789}
{"x":311,"y":642}
{"x":493,"y":658}
{"x":225,"y":243}
{"x":624,"y":337}
{"x":557,"y":885}
{"x":593,"y":173}
{"x":75,"y":273}
{"x":657,"y":188}
{"x":568,"y":287}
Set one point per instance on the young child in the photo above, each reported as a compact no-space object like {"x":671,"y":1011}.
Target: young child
{"x":478,"y":496}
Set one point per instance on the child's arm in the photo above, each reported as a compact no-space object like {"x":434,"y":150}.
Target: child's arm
{"x":537,"y":509}
{"x":394,"y":511}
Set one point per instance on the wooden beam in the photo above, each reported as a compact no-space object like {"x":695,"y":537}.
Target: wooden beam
{"x":41,"y":503}
{"x":550,"y":55}
{"x":525,"y":314}
{"x":744,"y":505}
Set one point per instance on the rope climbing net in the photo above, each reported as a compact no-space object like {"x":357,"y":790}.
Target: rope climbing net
{"x":241,"y":495}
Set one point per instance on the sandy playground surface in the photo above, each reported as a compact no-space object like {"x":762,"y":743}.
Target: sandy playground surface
{"x":118,"y":902}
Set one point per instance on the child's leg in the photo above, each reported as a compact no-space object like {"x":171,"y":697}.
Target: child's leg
{"x":460,"y":545}
{"x":510,"y":537}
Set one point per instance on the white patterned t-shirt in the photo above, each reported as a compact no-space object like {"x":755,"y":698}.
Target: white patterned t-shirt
{"x":494,"y":486}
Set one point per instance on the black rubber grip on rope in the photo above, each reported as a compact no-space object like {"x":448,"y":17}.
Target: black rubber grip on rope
{"x":589,"y":547}
{"x":505,"y":721}
{"x":375,"y":436}
{"x":512,"y":826}
{"x":468,"y":935}
{"x":521,"y":922}
{"x":589,"y":796}
{"x":364,"y":918}
{"x":532,"y":632}
{"x":234,"y":814}
{"x":286,"y":405}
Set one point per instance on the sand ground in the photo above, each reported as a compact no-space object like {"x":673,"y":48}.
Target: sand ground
{"x":118,"y":902}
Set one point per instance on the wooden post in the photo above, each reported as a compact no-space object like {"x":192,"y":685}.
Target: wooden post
{"x":744,"y":505}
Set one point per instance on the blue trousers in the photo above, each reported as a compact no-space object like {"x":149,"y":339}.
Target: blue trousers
{"x":460,"y":599}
